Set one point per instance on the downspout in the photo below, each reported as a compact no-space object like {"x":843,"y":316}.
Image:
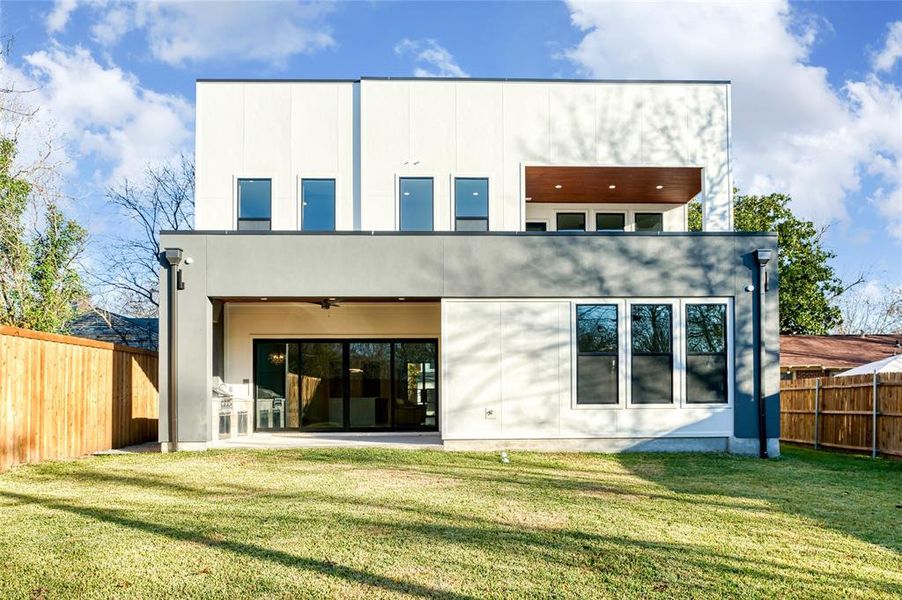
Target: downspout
{"x":171,"y":258}
{"x":762,"y":256}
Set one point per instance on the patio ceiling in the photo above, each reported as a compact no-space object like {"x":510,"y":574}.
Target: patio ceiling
{"x":670,"y":185}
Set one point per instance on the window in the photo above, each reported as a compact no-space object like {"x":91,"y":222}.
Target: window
{"x":596,"y":354}
{"x":571,"y":221}
{"x":651,"y":376}
{"x":706,"y":353}
{"x":610,"y":221}
{"x":471,"y":204}
{"x":536,"y":226}
{"x":318,"y":204}
{"x":254,"y":204}
{"x":416,"y":204}
{"x":649,"y":221}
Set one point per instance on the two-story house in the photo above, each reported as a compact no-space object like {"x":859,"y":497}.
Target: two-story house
{"x":505,"y":262}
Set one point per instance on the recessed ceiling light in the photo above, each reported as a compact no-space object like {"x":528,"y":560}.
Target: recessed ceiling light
{"x":659,"y":187}
{"x":558,"y":186}
{"x":406,"y":193}
{"x":475,"y":193}
{"x":264,"y":299}
{"x":402,"y":298}
{"x":528,"y":198}
{"x":332,"y":299}
{"x":612,"y":186}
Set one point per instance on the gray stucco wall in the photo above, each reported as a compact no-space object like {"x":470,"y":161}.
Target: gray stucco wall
{"x":231,"y":265}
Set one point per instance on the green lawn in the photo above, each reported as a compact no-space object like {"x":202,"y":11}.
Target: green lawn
{"x":384,"y":523}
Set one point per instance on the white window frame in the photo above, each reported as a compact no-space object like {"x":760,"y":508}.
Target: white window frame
{"x":584,"y":211}
{"x":730,"y":352}
{"x":663,"y":214}
{"x":676,"y":344}
{"x":299,"y":205}
{"x":541,"y":220}
{"x":626,"y":218}
{"x":408,"y":175}
{"x":272,"y":199}
{"x":452,"y":185}
{"x":622,"y":382}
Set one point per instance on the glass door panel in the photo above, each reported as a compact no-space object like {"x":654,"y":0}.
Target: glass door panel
{"x":415,"y":399}
{"x":321,"y":385}
{"x":369,"y":375}
{"x":269,"y":392}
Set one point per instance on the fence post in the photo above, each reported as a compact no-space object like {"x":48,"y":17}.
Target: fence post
{"x":874,"y":418}
{"x":817,"y":394}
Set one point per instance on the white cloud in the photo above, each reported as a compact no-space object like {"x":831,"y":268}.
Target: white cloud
{"x":56,"y":19}
{"x":179,"y":33}
{"x":793,"y":131}
{"x":886,"y":59}
{"x":105,"y":112}
{"x":430,"y":58}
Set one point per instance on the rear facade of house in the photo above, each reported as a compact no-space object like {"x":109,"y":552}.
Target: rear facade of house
{"x":504,"y":262}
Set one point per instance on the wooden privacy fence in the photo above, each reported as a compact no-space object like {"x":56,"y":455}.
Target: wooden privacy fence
{"x":64,"y":396}
{"x":861,"y":413}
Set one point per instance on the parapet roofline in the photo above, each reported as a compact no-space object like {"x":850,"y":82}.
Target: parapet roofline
{"x":473,"y":79}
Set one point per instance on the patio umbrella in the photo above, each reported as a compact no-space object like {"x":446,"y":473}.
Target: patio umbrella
{"x":890,"y":364}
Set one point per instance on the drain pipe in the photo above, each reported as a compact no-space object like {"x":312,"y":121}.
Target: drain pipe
{"x":762,"y":256}
{"x":171,"y":258}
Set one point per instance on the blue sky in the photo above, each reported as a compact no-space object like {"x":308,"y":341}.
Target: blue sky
{"x":817,"y":87}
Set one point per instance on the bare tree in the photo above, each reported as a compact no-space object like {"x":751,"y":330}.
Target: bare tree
{"x":163,"y":200}
{"x":865,"y":312}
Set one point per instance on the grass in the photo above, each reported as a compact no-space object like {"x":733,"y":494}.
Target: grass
{"x":384,"y":523}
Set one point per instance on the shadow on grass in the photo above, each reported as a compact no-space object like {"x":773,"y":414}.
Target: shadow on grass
{"x":242,"y":548}
{"x":687,"y":479}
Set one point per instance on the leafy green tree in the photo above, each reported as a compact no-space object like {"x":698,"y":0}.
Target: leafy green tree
{"x":808,"y":283}
{"x":39,"y":279}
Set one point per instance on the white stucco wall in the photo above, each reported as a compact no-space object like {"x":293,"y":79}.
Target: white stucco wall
{"x":284,"y":131}
{"x":507,"y":370}
{"x":442,"y":129}
{"x":675,"y":215}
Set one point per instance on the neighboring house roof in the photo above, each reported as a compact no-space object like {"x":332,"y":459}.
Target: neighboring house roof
{"x":110,"y":327}
{"x":836,"y":351}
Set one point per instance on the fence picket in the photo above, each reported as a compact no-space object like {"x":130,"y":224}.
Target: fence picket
{"x":63,"y":396}
{"x":861,"y":413}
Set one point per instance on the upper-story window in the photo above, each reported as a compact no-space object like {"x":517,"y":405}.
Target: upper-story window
{"x":254,"y":204}
{"x":649,"y":221}
{"x":536,"y":226}
{"x":567,"y":221}
{"x":610,"y":221}
{"x":318,"y":205}
{"x":416,"y":204}
{"x":471,"y":204}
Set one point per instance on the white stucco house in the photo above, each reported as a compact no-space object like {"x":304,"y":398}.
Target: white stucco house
{"x":504,"y":262}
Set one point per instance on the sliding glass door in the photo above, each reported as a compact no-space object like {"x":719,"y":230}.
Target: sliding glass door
{"x":322,"y":385}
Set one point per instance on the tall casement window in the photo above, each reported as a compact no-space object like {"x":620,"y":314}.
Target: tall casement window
{"x":649,"y":222}
{"x":416,"y":203}
{"x":254,"y":204}
{"x":471,"y":204}
{"x":318,"y":205}
{"x":651,"y":367}
{"x":610,"y":221}
{"x":571,"y":221}
{"x":706,"y":353}
{"x":597,"y":352}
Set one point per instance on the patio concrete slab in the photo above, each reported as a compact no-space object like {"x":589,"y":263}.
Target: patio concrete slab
{"x":294,"y":439}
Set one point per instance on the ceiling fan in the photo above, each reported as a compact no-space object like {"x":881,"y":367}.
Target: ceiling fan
{"x":327,"y":303}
